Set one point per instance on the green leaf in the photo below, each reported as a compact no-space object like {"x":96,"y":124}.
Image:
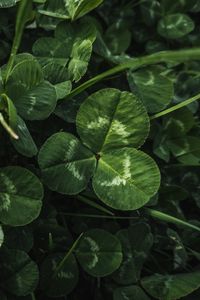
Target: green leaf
{"x":55,"y":9}
{"x":78,"y":8}
{"x":7,"y":3}
{"x":129,"y":293}
{"x":72,"y":45}
{"x":175,"y":26}
{"x":186,"y":149}
{"x":19,"y":274}
{"x":171,"y":287}
{"x":55,"y":73}
{"x":34,"y":98}
{"x":20,"y":196}
{"x":117,"y":38}
{"x":126,"y":179}
{"x":81,"y":53}
{"x":25,"y":145}
{"x":99,"y":252}
{"x":111,"y":119}
{"x":58,"y":76}
{"x":155,"y":90}
{"x":83,"y":29}
{"x":63,"y":89}
{"x":136,"y":242}
{"x":179,"y":251}
{"x":66,"y":165}
{"x":67,"y":110}
{"x":11,"y":110}
{"x":51,"y":50}
{"x":20,"y":238}
{"x":1,"y":236}
{"x":64,"y":281}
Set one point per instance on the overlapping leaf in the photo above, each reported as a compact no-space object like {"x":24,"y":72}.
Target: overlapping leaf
{"x":7,"y":3}
{"x":79,"y":8}
{"x":19,"y":277}
{"x":136,"y":242}
{"x":59,"y":282}
{"x":171,"y":287}
{"x":99,"y":252}
{"x":20,"y":196}
{"x":66,"y":164}
{"x":34,"y":98}
{"x":155,"y":90}
{"x":25,"y":144}
{"x":175,"y":26}
{"x":72,"y":45}
{"x":129,"y":293}
{"x":110,"y":119}
{"x":126,"y":179}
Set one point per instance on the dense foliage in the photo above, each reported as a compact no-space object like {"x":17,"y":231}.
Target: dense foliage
{"x":100,"y":149}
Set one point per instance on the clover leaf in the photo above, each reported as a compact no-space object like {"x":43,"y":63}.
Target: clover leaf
{"x":111,"y":119}
{"x":99,"y":252}
{"x":66,"y":164}
{"x":21,"y":193}
{"x":34,"y":98}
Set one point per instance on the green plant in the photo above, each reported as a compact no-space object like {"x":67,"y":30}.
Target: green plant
{"x":100,"y":149}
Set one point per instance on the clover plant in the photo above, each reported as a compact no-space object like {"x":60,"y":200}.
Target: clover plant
{"x":100,"y":149}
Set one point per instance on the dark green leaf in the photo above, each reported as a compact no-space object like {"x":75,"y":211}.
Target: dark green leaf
{"x":34,"y":98}
{"x":175,"y":26}
{"x":66,"y":165}
{"x":99,"y":252}
{"x":136,"y":242}
{"x":25,"y":144}
{"x":64,"y":281}
{"x":19,"y":274}
{"x":130,"y":293}
{"x":111,"y":119}
{"x":126,"y":179}
{"x":171,"y":287}
{"x":155,"y":90}
{"x":21,"y":193}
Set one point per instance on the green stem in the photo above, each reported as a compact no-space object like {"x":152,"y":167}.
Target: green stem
{"x":8,"y":128}
{"x":94,"y":204}
{"x":170,"y":219}
{"x":160,"y":57}
{"x":175,"y":107}
{"x":98,"y":216}
{"x":33,"y":296}
{"x":60,"y":265}
{"x":22,"y":18}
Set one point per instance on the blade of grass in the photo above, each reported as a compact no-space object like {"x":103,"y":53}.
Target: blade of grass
{"x":95,"y":205}
{"x":23,"y":14}
{"x":170,"y":219}
{"x":98,"y":216}
{"x":60,"y":265}
{"x":175,"y":107}
{"x":135,"y":63}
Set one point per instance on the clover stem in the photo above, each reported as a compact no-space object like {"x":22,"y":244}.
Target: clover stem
{"x":175,"y":107}
{"x":8,"y":128}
